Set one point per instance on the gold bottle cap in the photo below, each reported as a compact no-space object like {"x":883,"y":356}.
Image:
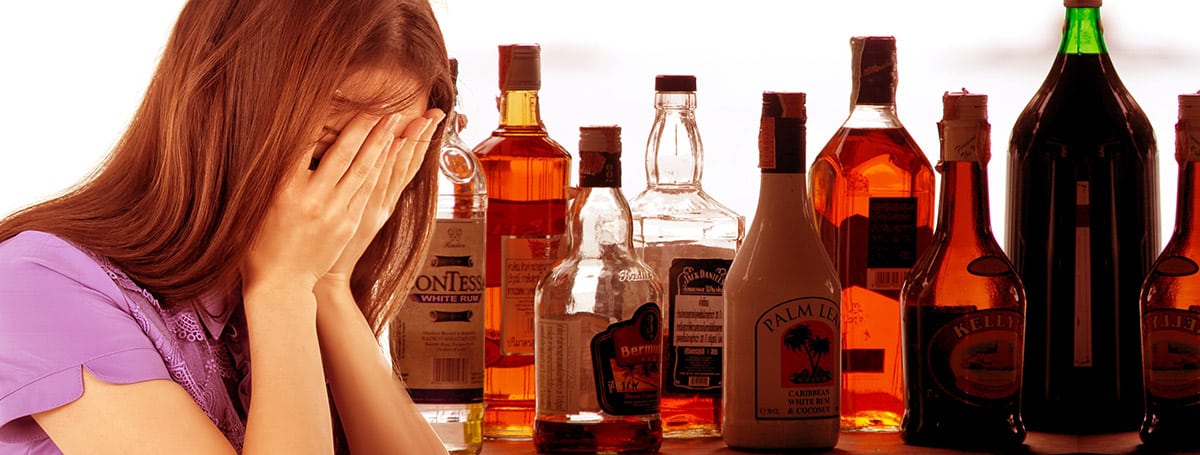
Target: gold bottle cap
{"x":520,"y":67}
{"x":1082,"y":3}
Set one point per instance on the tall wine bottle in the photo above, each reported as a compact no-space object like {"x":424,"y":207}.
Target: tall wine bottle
{"x":872,"y":189}
{"x":1171,"y":306}
{"x":1082,"y":232}
{"x":781,"y":330}
{"x":963,"y":305}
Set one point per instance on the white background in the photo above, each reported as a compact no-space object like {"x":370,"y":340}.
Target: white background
{"x":72,"y":72}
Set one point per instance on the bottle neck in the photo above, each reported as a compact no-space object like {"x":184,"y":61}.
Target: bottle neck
{"x":964,"y":211}
{"x":674,"y":153}
{"x":519,"y":108}
{"x":601,"y":223}
{"x":1082,"y":33}
{"x":873,"y":116}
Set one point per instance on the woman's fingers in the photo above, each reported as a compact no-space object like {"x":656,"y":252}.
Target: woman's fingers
{"x":349,"y":162}
{"x":412,"y":154}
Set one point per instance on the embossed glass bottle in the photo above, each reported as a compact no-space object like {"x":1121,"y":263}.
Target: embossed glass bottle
{"x":599,"y":323}
{"x":1171,"y":306}
{"x":872,"y":189}
{"x":527,"y":174}
{"x":781,"y":329}
{"x":964,"y":306}
{"x":689,"y":239}
{"x":437,"y":340}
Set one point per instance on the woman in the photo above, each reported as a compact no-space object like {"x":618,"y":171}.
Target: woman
{"x":265,"y":209}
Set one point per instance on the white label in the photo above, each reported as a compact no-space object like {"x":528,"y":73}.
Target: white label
{"x":1083,"y":278}
{"x":441,"y":329}
{"x":961,"y":143}
{"x":797,"y":354}
{"x":523,"y":261}
{"x":560,"y":355}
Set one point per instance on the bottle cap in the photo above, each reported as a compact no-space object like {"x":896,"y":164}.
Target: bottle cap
{"x":964,"y":131}
{"x":1081,"y":3}
{"x":674,"y":83}
{"x":1189,"y":106}
{"x":781,"y":132}
{"x":520,"y":67}
{"x":1187,"y":131}
{"x":600,"y":156}
{"x":964,"y":105}
{"x":874,"y":70}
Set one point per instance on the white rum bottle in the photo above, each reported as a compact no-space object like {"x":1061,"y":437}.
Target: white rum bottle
{"x":783,"y":356}
{"x":437,"y":340}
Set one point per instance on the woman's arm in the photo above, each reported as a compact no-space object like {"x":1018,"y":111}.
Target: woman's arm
{"x":375,"y":409}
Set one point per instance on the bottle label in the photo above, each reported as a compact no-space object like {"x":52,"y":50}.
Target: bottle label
{"x":524,"y":260}
{"x":1171,"y":344}
{"x":976,"y":357}
{"x":564,"y":383}
{"x":960,"y":143}
{"x":1083,"y":277}
{"x":696,"y":325}
{"x":796,"y":350}
{"x":440,"y":332}
{"x":626,"y":359}
{"x":891,"y":241}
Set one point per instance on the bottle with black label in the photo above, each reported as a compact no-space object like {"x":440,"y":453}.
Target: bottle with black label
{"x":872,"y":189}
{"x":598,"y":322}
{"x":782,"y":326}
{"x":689,"y":239}
{"x":1171,"y":306}
{"x":964,"y":306}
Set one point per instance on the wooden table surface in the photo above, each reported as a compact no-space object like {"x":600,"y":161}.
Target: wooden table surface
{"x":890,"y":443}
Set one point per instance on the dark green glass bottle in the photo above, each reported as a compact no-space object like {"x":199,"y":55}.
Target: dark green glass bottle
{"x":1082,"y":232}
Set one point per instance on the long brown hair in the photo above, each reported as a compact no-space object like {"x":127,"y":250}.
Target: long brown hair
{"x":241,"y":92}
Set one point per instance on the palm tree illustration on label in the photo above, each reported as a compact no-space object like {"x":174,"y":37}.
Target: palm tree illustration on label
{"x":797,"y":349}
{"x":802,"y":338}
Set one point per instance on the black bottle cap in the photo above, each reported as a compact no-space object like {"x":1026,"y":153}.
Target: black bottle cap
{"x":674,"y":83}
{"x":600,"y":156}
{"x":781,"y":132}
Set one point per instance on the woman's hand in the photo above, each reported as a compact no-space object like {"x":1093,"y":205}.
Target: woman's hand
{"x":402,"y":163}
{"x":318,"y":211}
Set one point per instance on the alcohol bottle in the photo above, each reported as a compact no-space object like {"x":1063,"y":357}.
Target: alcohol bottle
{"x":964,"y":306}
{"x":1171,"y":306}
{"x":1082,"y":232}
{"x":689,"y":239}
{"x":872,"y":189}
{"x":782,"y":356}
{"x":437,"y":339}
{"x":599,"y":323}
{"x":527,"y":174}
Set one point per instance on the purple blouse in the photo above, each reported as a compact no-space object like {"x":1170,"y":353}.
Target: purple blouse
{"x":63,"y":309}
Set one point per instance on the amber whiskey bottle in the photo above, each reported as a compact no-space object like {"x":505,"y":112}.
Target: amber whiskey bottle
{"x":872,"y":190}
{"x":527,"y":175}
{"x":689,"y":239}
{"x":1171,"y":306}
{"x":964,"y":306}
{"x":599,"y":323}
{"x":1082,"y":232}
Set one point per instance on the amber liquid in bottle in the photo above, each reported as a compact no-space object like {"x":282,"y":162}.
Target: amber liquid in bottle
{"x":527,"y":175}
{"x":963,"y":306}
{"x":872,"y":190}
{"x":1171,"y":307}
{"x":1082,"y":232}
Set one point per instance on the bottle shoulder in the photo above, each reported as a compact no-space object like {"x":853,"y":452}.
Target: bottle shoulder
{"x":692,"y":203}
{"x":533,"y":145}
{"x":971,"y":270}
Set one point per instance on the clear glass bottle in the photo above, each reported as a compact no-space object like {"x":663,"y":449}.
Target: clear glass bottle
{"x":872,"y":189}
{"x":527,"y":174}
{"x":599,"y":322}
{"x":689,"y":239}
{"x":964,"y":306}
{"x":781,"y":350}
{"x":1171,"y":306}
{"x":437,"y":340}
{"x":1082,"y":232}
